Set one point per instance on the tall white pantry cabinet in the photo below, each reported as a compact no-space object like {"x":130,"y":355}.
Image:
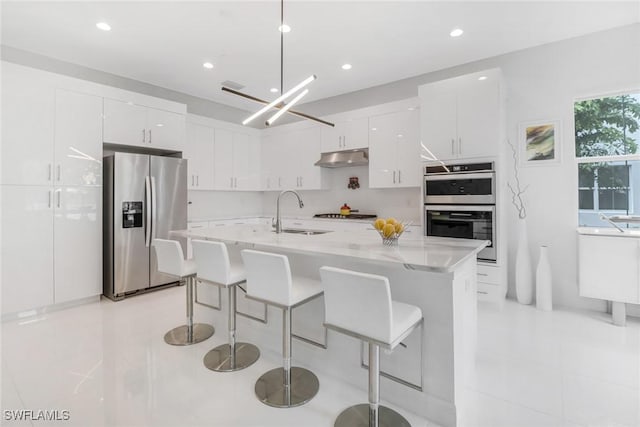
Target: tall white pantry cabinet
{"x":51,"y":192}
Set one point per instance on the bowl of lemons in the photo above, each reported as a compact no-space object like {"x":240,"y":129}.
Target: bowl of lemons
{"x":390,"y":230}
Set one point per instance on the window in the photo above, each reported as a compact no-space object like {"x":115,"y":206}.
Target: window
{"x":607,"y":136}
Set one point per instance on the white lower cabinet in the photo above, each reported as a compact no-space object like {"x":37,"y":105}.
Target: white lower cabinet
{"x":491,"y":283}
{"x":51,"y":245}
{"x":77,"y":228}
{"x":609,"y":268}
{"x":27,"y":247}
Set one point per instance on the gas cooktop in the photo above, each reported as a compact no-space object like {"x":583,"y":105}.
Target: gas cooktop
{"x":339,"y":216}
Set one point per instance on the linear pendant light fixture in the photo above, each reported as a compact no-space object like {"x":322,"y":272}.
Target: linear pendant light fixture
{"x":278,"y":103}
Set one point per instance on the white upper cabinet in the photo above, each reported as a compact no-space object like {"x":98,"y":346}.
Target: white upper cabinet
{"x":394,"y":150}
{"x":347,"y":134}
{"x":223,"y":156}
{"x":78,"y":139}
{"x":304,"y":145}
{"x":131,"y":124}
{"x":288,"y":158}
{"x":28,"y":106}
{"x":236,"y":161}
{"x":246,"y":161}
{"x":166,"y":129}
{"x":461,"y":117}
{"x":199,"y":151}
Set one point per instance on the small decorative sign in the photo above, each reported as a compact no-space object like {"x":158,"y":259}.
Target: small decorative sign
{"x":539,"y":143}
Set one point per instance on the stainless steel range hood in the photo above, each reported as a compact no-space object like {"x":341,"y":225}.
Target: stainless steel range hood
{"x":341,"y":159}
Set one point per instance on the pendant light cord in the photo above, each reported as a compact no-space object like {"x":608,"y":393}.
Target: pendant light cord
{"x":281,"y":47}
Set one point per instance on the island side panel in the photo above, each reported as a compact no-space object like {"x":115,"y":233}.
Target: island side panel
{"x":432,"y":292}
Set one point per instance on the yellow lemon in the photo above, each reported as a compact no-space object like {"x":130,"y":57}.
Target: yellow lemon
{"x":388,"y":230}
{"x":399,"y":227}
{"x":379,"y":223}
{"x":391,"y":221}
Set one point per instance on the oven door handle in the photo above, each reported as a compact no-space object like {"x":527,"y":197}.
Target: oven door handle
{"x":477,"y":208}
{"x":459,"y":176}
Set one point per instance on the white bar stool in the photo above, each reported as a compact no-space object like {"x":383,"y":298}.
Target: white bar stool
{"x":171,"y":261}
{"x":379,"y":321}
{"x":213,"y":266}
{"x":269,"y":280}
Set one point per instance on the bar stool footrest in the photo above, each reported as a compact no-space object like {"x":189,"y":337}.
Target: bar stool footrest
{"x":271,"y":391}
{"x":179,"y":336}
{"x":358,"y":416}
{"x":219,"y":359}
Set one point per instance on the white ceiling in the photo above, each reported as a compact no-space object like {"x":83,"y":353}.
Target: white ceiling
{"x":165,"y":43}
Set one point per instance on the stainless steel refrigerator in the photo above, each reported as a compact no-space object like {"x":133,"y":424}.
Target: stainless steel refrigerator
{"x":145,"y":197}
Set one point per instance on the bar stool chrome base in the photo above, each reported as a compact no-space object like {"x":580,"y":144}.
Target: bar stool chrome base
{"x":271,"y":390}
{"x":180,"y":335}
{"x":358,"y":416}
{"x":219,"y":359}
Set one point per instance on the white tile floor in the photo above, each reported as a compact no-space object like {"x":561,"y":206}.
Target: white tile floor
{"x":108,"y":365}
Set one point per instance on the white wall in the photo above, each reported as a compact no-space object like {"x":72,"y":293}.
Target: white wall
{"x":401,"y":203}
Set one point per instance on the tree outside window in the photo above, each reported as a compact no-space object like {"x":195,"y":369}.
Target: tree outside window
{"x":607,"y":136}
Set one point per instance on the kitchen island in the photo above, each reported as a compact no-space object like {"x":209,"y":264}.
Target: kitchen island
{"x":423,"y":375}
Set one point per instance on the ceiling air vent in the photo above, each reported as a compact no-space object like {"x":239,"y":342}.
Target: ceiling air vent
{"x":232,"y":85}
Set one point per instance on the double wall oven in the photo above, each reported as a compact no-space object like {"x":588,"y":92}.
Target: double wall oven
{"x":460,"y":202}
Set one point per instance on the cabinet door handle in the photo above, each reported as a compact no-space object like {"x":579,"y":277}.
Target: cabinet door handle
{"x":301,"y":182}
{"x":192,"y":184}
{"x":344,"y":141}
{"x":399,"y":177}
{"x":453,"y":146}
{"x":231,"y":181}
{"x":49,"y":203}
{"x":460,"y":145}
{"x":58,"y":173}
{"x":59,"y":192}
{"x":235,"y":182}
{"x":394,"y":177}
{"x":149,"y":136}
{"x":50,"y":171}
{"x":144,"y":135}
{"x":197,"y":180}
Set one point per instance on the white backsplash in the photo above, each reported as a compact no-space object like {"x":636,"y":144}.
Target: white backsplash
{"x":223,"y":204}
{"x":401,"y":203}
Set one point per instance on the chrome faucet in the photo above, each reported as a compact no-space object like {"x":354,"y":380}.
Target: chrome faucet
{"x":278,"y":221}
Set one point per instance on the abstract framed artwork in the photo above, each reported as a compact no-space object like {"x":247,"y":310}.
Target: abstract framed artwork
{"x":539,"y":143}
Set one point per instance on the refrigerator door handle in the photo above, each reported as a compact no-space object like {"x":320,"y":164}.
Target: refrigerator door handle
{"x":154,"y":209}
{"x":147,"y":208}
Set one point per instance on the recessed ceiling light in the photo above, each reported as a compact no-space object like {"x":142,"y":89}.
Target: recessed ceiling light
{"x":208,"y":65}
{"x":346,"y":66}
{"x":374,"y":128}
{"x":400,"y":135}
{"x":273,"y":90}
{"x":456,"y":32}
{"x":103,"y":26}
{"x":284,"y":28}
{"x":482,"y":78}
{"x":411,"y":108}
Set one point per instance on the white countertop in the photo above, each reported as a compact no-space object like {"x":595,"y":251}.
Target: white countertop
{"x":436,"y":254}
{"x":612,"y":232}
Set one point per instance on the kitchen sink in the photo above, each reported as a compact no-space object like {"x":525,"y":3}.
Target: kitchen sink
{"x":302,"y":231}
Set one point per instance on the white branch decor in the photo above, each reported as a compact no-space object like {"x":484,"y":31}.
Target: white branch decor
{"x":516,"y":194}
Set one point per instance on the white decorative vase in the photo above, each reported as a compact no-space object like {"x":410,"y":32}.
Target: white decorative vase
{"x":524,"y":281}
{"x":543,"y":282}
